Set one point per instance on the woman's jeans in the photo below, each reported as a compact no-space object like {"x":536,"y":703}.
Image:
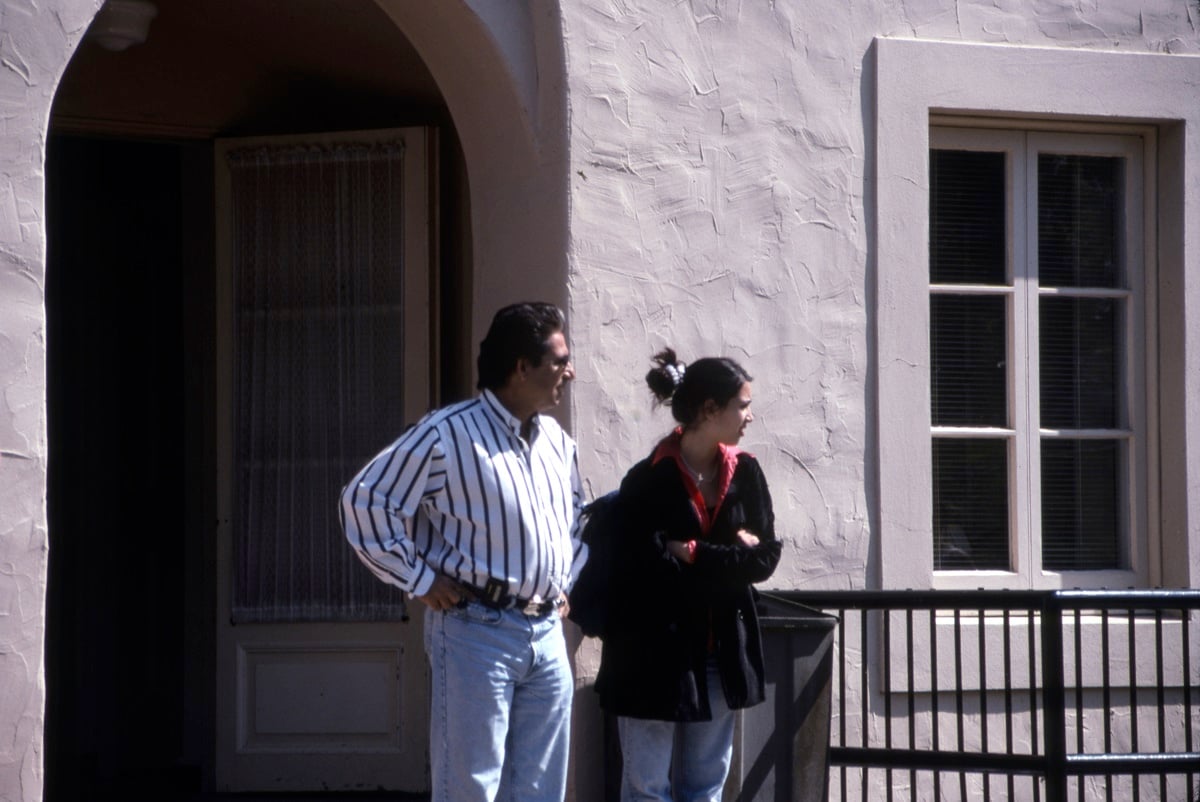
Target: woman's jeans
{"x":501,"y":705}
{"x":679,"y":761}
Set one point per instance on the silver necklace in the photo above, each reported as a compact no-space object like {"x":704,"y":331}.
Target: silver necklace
{"x":696,"y":475}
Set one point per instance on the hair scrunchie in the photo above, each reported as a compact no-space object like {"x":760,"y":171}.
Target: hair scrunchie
{"x":675,"y":372}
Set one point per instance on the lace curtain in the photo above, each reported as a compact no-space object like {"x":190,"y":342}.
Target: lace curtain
{"x":318,"y":272}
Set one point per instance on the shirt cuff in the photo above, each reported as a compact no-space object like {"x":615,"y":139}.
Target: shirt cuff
{"x":425,"y":581}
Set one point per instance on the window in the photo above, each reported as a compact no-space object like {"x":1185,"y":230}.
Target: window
{"x":329,"y":354}
{"x":1037,"y":343}
{"x":967,"y":98}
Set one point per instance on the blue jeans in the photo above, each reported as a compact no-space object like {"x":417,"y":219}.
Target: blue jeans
{"x":501,"y":705}
{"x":672,"y":761}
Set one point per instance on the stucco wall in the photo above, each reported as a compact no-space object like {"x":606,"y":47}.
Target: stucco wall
{"x":723,"y":200}
{"x":719,"y":202}
{"x":721,"y":196}
{"x":36,"y":41}
{"x":500,"y":73}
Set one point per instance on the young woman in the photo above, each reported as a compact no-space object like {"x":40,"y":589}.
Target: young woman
{"x":682,"y":649}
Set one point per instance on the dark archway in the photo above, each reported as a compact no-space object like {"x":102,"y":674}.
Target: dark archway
{"x":126,"y":610}
{"x":131,"y":355}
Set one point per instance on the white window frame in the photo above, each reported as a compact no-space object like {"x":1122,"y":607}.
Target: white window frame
{"x":1022,"y":292}
{"x":918,"y":83}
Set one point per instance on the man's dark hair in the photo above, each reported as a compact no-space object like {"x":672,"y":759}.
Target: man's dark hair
{"x":519,"y":331}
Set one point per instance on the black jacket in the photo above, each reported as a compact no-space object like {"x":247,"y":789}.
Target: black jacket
{"x":667,"y":617}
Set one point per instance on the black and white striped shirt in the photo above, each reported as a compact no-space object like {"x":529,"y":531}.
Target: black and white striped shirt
{"x":461,"y":493}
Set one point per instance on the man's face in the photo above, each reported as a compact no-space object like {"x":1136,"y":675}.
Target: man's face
{"x":547,"y":381}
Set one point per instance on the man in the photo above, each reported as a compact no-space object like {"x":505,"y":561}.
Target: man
{"x":473,"y":511}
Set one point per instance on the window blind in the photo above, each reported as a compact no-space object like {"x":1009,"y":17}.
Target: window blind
{"x":968,"y":337}
{"x":1080,"y":246}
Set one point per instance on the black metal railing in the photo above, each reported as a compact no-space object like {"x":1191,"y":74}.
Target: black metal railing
{"x":1052,"y":695}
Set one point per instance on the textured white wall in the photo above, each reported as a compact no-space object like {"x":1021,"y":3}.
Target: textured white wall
{"x":719,"y":203}
{"x":722,"y":201}
{"x":36,"y":41}
{"x":499,"y":70}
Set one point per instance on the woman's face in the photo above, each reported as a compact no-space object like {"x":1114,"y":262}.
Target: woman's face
{"x":729,"y":422}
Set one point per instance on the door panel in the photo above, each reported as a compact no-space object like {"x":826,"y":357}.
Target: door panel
{"x":317,"y":707}
{"x":325,"y":353}
{"x":333,"y":698}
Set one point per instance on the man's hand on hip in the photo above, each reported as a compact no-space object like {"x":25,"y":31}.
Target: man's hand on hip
{"x":443,"y":594}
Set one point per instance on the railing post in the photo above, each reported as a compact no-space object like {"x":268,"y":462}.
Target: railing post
{"x":1054,"y":715}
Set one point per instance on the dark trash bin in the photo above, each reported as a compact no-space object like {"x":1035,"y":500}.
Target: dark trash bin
{"x":781,"y":752}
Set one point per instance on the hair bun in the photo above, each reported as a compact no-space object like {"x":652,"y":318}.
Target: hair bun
{"x":665,"y":376}
{"x":717,"y":379}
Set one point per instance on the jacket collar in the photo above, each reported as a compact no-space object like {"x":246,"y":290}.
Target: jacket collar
{"x":669,"y":448}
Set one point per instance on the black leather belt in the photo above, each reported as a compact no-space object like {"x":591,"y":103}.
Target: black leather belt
{"x":534,"y":608}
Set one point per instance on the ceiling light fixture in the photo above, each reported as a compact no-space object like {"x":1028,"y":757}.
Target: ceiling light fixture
{"x":122,"y":23}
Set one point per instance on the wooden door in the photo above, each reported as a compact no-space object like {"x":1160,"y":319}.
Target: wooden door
{"x":324,"y":335}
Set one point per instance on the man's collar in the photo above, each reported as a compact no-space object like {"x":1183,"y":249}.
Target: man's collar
{"x":510,"y":421}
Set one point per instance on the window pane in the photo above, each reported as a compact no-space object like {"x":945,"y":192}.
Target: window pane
{"x":966,"y":217}
{"x":1080,"y":504}
{"x":1080,"y":230}
{"x":970,"y":504}
{"x":325,"y":388}
{"x":318,"y":246}
{"x":968,"y":377}
{"x":1079,"y":368}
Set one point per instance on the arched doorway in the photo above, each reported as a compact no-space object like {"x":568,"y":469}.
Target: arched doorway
{"x":133,"y":360}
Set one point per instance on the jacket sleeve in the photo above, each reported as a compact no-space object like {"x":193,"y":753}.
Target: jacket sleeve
{"x":737,"y":565}
{"x":643,"y":533}
{"x":380,"y":502}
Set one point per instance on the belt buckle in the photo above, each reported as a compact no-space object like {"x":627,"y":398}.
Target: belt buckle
{"x":532,"y":608}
